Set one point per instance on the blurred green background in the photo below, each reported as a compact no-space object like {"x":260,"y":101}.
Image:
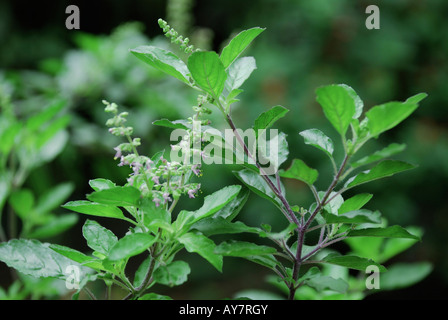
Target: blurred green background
{"x":306,"y":44}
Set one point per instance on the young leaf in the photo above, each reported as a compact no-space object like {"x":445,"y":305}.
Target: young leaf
{"x":239,"y":72}
{"x":94,"y":209}
{"x":352,"y":262}
{"x":257,"y":185}
{"x":387,"y":232}
{"x":36,"y":259}
{"x":238,"y":44}
{"x":98,"y":238}
{"x":164,"y":61}
{"x":318,"y":139}
{"x":384,"y":169}
{"x":243,"y":249}
{"x":213,"y":226}
{"x":386,"y":116}
{"x":53,"y":198}
{"x":268,"y":118}
{"x":216,"y":201}
{"x":357,"y":216}
{"x":177,"y":124}
{"x":208,"y":72}
{"x":300,"y":171}
{"x":388,"y":151}
{"x":55,"y":226}
{"x":338,"y":105}
{"x":101,"y":184}
{"x":116,"y":196}
{"x":355,"y":203}
{"x":359,"y":104}
{"x":200,"y":244}
{"x":130,"y":245}
{"x":173,"y":274}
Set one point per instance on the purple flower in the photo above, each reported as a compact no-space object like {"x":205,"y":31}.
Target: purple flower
{"x":123,"y":162}
{"x":191,"y":193}
{"x":166,"y":196}
{"x":118,"y":154}
{"x":195,"y":169}
{"x":155,"y":179}
{"x":157,"y":201}
{"x":136,"y":167}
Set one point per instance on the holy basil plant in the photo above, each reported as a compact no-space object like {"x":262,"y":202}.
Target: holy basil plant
{"x":158,"y":229}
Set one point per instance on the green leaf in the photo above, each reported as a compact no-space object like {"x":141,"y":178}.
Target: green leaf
{"x":359,"y":104}
{"x":388,"y":151}
{"x":355,"y":203}
{"x":22,"y":201}
{"x":164,"y":61}
{"x":268,"y":118}
{"x":200,"y":244}
{"x":116,"y":196}
{"x":216,"y":201}
{"x":231,"y":209}
{"x":239,"y":72}
{"x":173,"y":274}
{"x":78,"y":257}
{"x":322,"y":282}
{"x":318,"y":139}
{"x":357,"y":216}
{"x":101,"y":184}
{"x":352,"y":262}
{"x":257,"y":185}
{"x":300,"y":171}
{"x":393,"y":246}
{"x":36,"y":259}
{"x":55,"y":226}
{"x":213,"y":226}
{"x":53,"y":198}
{"x":152,"y":213}
{"x":130,"y":245}
{"x":338,"y":105}
{"x":154,"y":296}
{"x":384,"y":169}
{"x":98,"y":238}
{"x":386,"y":116}
{"x":238,"y":44}
{"x":94,"y":209}
{"x":272,"y":153}
{"x":208,"y":72}
{"x":243,"y":249}
{"x":403,"y":275}
{"x":43,"y":117}
{"x":387,"y":232}
{"x":177,"y":124}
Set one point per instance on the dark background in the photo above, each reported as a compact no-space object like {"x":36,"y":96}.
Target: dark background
{"x":306,"y":44}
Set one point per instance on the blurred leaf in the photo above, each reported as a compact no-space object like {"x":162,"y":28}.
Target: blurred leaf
{"x":208,"y":72}
{"x":403,"y":275}
{"x":237,"y":45}
{"x":22,"y":201}
{"x":200,"y":244}
{"x":55,"y":226}
{"x":163,"y":60}
{"x":384,"y":169}
{"x":53,"y":198}
{"x":323,"y":282}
